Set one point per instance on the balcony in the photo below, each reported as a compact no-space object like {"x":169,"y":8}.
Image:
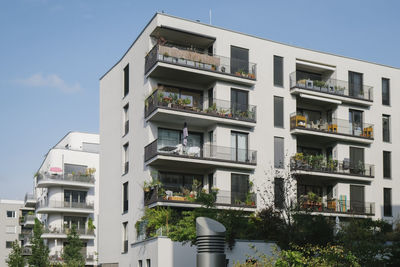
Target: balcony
{"x":64,"y":206}
{"x":335,"y":129}
{"x":179,"y":197}
{"x":165,"y":152}
{"x":45,"y":180}
{"x":29,"y":220}
{"x":161,"y":106}
{"x":30,"y":200}
{"x":318,"y":166}
{"x":335,"y":207}
{"x":54,"y":233}
{"x":302,"y":82}
{"x":26,"y":251}
{"x":188,"y":65}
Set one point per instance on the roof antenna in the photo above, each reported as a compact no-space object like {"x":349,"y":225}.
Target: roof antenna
{"x":210,"y":17}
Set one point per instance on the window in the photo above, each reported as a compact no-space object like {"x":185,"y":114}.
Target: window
{"x":278,"y":71}
{"x":386,"y":128}
{"x":387,"y":173}
{"x":125,"y":158}
{"x":278,"y":111}
{"x":239,"y":59}
{"x":125,"y":197}
{"x":356,"y":84}
{"x":10,"y":229}
{"x":279,"y":193}
{"x":168,"y":137}
{"x":210,"y":182}
{"x":126,"y":80}
{"x":125,"y":237}
{"x":279,"y":158}
{"x":74,"y":169}
{"x":357,"y":160}
{"x":9,"y":244}
{"x":140,"y":263}
{"x":385,"y":91}
{"x":126,"y":119}
{"x":239,"y":187}
{"x":175,"y":182}
{"x":74,"y":196}
{"x":78,"y":222}
{"x":148,"y":263}
{"x":356,"y":122}
{"x":387,"y":202}
{"x":239,"y":144}
{"x":239,"y":101}
{"x":11,"y":214}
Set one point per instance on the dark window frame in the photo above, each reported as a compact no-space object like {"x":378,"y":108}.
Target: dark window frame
{"x":387,"y":202}
{"x":125,"y":197}
{"x":280,"y":165}
{"x":386,"y":136}
{"x":387,"y":164}
{"x":279,"y":121}
{"x":386,"y":95}
{"x":278,"y":77}
{"x":126,"y":80}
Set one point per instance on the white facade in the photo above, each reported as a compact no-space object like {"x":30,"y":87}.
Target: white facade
{"x":66,"y":187}
{"x":9,"y":226}
{"x":342,"y":122}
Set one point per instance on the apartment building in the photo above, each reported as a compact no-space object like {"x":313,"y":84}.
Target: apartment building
{"x":66,"y":187}
{"x":9,"y":228}
{"x":191,"y":103}
{"x":27,"y":221}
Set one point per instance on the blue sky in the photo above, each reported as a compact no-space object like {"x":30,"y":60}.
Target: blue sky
{"x":53,"y":52}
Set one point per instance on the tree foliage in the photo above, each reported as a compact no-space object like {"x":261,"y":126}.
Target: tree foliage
{"x":40,"y":252}
{"x":15,"y":258}
{"x":72,"y":250}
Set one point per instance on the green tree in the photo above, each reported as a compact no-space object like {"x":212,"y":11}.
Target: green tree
{"x":40,"y":252}
{"x":15,"y":258}
{"x":72,"y":250}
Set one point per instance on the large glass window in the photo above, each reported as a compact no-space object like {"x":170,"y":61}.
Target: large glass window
{"x":239,"y":59}
{"x":279,"y":157}
{"x":278,"y":111}
{"x":357,"y":160}
{"x":387,"y":202}
{"x":74,"y":169}
{"x":239,"y":101}
{"x":239,"y":187}
{"x":78,"y":222}
{"x":195,"y":97}
{"x":125,"y":201}
{"x":356,"y":84}
{"x":169,"y":138}
{"x":239,"y":146}
{"x":356,"y":122}
{"x":279,"y":193}
{"x":386,"y":128}
{"x":278,"y":71}
{"x":385,"y":91}
{"x":387,"y":173}
{"x":176,"y":182}
{"x":126,"y":80}
{"x":75,"y":196}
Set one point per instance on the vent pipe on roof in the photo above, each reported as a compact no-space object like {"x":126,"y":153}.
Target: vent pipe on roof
{"x":210,"y":243}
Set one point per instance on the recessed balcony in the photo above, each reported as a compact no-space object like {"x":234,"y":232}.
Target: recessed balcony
{"x":64,"y":207}
{"x":55,"y":233}
{"x":318,"y":166}
{"x":334,"y":129}
{"x":188,"y":64}
{"x":45,"y":180}
{"x":177,"y":197}
{"x":169,"y":153}
{"x":165,"y":106}
{"x":347,"y":92}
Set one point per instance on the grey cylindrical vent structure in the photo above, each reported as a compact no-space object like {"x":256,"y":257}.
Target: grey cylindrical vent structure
{"x":210,"y":243}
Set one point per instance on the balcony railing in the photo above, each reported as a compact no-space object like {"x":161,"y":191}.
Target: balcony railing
{"x":29,"y":218}
{"x":179,"y":195}
{"x":333,"y":126}
{"x":197,"y":60}
{"x":319,"y":164}
{"x":82,"y":178}
{"x":302,"y":80}
{"x":64,"y":204}
{"x":209,"y":152}
{"x":66,"y":231}
{"x":337,"y":206}
{"x":218,"y":108}
{"x":26,"y":251}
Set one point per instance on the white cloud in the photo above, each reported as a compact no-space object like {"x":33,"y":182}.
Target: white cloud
{"x":50,"y":81}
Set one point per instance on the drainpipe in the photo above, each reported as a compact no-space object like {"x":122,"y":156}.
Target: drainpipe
{"x":210,"y":243}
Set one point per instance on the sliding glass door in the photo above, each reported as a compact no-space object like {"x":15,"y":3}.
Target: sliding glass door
{"x":239,"y":146}
{"x":355,"y":84}
{"x":355,"y":122}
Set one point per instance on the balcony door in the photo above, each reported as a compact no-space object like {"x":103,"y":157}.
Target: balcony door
{"x":78,"y":222}
{"x":356,"y":122}
{"x":171,"y":138}
{"x":239,"y":101}
{"x":355,"y":84}
{"x":357,"y":160}
{"x":239,"y":59}
{"x":73,"y":196}
{"x":239,"y":188}
{"x":357,"y":201}
{"x":239,"y":146}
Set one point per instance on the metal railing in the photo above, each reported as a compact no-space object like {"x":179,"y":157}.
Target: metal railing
{"x":303,"y":80}
{"x":337,"y":206}
{"x":82,"y":178}
{"x":64,"y":204}
{"x":219,"y":108}
{"x":319,"y":164}
{"x":26,"y":251}
{"x":66,"y":231}
{"x":195,"y":59}
{"x":29,"y":218}
{"x":177,"y":195}
{"x":333,"y":126}
{"x":208,"y":151}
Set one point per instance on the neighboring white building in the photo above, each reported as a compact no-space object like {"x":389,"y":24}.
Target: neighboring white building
{"x":66,"y":187}
{"x":244,"y":120}
{"x":9,"y":226}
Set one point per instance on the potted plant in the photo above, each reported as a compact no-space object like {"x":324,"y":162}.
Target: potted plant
{"x":91,"y":226}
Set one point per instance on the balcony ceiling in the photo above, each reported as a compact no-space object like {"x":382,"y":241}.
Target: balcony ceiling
{"x":184,"y":38}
